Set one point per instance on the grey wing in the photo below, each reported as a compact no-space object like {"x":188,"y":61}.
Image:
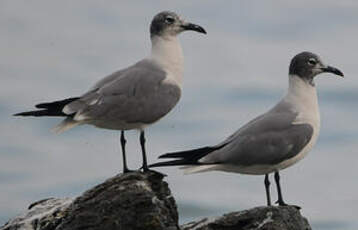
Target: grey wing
{"x":110,"y":78}
{"x":269,"y":139}
{"x":92,"y":95}
{"x":138,"y":95}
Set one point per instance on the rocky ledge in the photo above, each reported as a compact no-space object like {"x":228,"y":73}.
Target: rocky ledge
{"x":137,"y":201}
{"x":263,"y":218}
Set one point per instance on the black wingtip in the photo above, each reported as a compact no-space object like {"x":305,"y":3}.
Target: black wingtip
{"x":168,"y":163}
{"x":41,"y":106}
{"x":56,"y":104}
{"x":23,"y":114}
{"x":166,"y":155}
{"x":52,"y":109}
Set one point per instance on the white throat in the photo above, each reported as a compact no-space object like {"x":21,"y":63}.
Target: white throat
{"x":301,"y":91}
{"x":167,"y":52}
{"x":303,"y":98}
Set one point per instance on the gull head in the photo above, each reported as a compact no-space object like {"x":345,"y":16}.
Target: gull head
{"x":169,"y":23}
{"x":307,"y":65}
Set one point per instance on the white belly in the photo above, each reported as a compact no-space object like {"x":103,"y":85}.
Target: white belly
{"x":117,"y":125}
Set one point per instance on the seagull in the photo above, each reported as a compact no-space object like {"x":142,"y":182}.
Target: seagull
{"x":272,"y":141}
{"x":134,"y":97}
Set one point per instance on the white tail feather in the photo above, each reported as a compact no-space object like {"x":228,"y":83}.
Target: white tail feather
{"x":65,"y":125}
{"x":199,"y":168}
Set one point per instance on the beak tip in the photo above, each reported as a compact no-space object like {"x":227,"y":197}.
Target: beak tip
{"x":194,"y":27}
{"x":330,"y":69}
{"x":339,"y":73}
{"x":201,"y":30}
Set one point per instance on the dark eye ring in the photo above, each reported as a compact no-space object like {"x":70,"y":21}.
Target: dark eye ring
{"x":169,"y":20}
{"x":312,"y":61}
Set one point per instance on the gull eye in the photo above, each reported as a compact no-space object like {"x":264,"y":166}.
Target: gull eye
{"x":312,"y":61}
{"x":169,"y":20}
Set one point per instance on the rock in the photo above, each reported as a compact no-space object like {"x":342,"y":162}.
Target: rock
{"x":142,"y":201}
{"x":43,"y":214}
{"x":128,"y":201}
{"x":263,"y":218}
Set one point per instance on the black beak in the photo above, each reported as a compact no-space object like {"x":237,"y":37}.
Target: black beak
{"x":330,"y":69}
{"x":190,"y":26}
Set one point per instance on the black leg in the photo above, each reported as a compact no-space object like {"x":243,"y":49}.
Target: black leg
{"x":267,"y":187}
{"x":142,"y":143}
{"x":123,"y":145}
{"x":280,"y":199}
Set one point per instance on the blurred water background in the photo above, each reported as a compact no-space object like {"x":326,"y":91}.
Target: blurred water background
{"x":50,"y":50}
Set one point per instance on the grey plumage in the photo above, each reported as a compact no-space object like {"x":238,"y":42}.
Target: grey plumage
{"x":301,"y":65}
{"x":269,"y":139}
{"x":163,"y":21}
{"x":134,"y":97}
{"x":168,"y":22}
{"x":307,"y":65}
{"x":137,"y":94}
{"x":274,"y":140}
